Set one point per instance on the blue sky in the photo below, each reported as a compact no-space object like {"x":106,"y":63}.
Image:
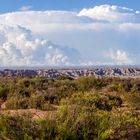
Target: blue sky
{"x":69,"y":32}
{"x":13,"y":5}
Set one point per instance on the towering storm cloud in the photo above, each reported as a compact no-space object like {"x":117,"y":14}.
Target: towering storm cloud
{"x":103,"y":34}
{"x":19,"y":47}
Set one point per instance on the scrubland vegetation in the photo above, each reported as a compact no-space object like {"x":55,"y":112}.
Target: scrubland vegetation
{"x":86,"y":108}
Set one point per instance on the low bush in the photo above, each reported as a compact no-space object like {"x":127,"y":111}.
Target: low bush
{"x":83,"y":108}
{"x":3,"y":93}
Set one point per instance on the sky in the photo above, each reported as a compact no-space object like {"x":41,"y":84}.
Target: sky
{"x":69,"y":32}
{"x":13,"y":5}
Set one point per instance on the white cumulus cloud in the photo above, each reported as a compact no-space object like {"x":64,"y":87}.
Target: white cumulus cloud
{"x":19,"y":47}
{"x":120,"y":57}
{"x":26,"y":8}
{"x":110,"y":13}
{"x":89,"y":32}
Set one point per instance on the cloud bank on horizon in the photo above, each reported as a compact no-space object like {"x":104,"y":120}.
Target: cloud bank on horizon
{"x":102,"y":35}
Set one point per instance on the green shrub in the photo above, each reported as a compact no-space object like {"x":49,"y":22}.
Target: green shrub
{"x":115,"y":87}
{"x":87,"y":83}
{"x":4,"y":93}
{"x":83,"y":108}
{"x":17,"y":103}
{"x":39,"y":102}
{"x":108,"y":102}
{"x":94,"y":100}
{"x":127,"y":85}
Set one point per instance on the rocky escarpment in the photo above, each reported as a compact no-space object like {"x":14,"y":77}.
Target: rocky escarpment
{"x":73,"y":73}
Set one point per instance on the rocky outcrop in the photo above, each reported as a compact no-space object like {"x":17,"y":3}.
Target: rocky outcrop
{"x":73,"y":73}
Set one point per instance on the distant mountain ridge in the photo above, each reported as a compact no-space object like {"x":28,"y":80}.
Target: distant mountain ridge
{"x":74,"y":72}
